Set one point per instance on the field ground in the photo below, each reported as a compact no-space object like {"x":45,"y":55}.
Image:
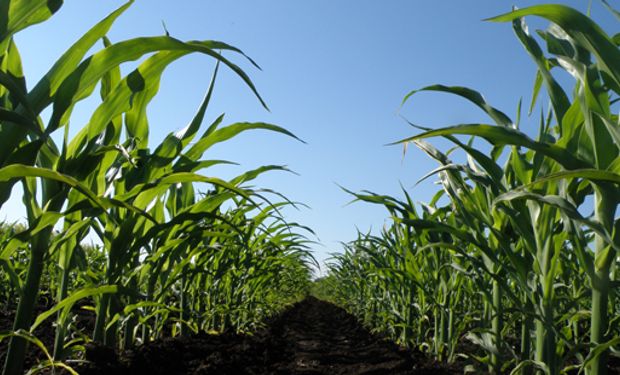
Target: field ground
{"x":311,"y":337}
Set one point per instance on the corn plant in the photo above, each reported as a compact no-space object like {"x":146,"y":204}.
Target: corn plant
{"x":515,"y":224}
{"x":142,"y":204}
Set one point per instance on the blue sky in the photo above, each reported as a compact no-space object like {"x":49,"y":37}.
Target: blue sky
{"x":333,"y":72}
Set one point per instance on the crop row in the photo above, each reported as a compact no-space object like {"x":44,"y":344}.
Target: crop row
{"x":517,"y":253}
{"x":176,"y":250}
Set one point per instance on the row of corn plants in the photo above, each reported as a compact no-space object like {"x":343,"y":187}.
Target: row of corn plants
{"x":517,"y":252}
{"x":175,"y":250}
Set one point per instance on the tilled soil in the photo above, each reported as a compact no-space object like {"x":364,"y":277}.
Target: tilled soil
{"x":84,"y":320}
{"x":43,"y":333}
{"x":312,"y":337}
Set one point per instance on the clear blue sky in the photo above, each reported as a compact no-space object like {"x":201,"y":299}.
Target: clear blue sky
{"x":334,"y":73}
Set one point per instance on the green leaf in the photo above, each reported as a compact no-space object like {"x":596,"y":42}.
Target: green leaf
{"x":67,"y":303}
{"x":187,"y":134}
{"x":251,"y":175}
{"x":537,"y":84}
{"x":24,"y":13}
{"x":14,"y":83}
{"x":146,"y":193}
{"x":12,"y":118}
{"x":557,"y":95}
{"x":579,"y":27}
{"x":567,"y":209}
{"x":15,"y":281}
{"x":40,"y":96}
{"x":19,"y":171}
{"x":497,"y":135}
{"x":530,"y":363}
{"x":83,"y":79}
{"x":28,"y":336}
{"x":473,"y":96}
{"x":226,"y":133}
{"x":46,"y":88}
{"x":600,"y":349}
{"x":588,"y":174}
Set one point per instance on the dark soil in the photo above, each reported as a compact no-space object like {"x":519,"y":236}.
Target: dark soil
{"x":312,"y":337}
{"x":83,"y":320}
{"x":45,"y":333}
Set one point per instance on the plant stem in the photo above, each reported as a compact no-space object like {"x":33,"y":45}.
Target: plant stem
{"x":25,"y":309}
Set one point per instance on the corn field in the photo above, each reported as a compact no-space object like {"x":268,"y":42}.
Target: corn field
{"x":516,"y":254}
{"x":180,"y":250}
{"x":510,"y":268}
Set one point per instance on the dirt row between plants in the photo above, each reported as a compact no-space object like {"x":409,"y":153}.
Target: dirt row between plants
{"x":311,"y":337}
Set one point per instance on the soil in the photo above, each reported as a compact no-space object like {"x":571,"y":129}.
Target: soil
{"x":43,"y":333}
{"x":83,"y":321}
{"x":311,"y":338}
